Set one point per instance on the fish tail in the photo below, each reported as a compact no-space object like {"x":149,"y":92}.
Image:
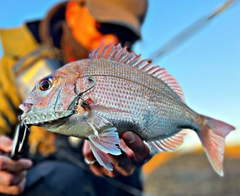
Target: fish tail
{"x":212,"y":135}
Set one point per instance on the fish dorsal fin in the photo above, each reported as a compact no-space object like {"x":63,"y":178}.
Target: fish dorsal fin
{"x":170,"y":143}
{"x":121,"y":55}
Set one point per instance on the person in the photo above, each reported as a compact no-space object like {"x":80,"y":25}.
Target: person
{"x":55,"y":164}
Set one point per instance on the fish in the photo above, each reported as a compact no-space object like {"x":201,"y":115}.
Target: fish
{"x":115,"y":90}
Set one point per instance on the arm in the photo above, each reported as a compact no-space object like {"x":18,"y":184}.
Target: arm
{"x":135,"y":153}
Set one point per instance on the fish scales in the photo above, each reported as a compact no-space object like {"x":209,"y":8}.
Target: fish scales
{"x":159,"y":100}
{"x":108,"y":68}
{"x":100,"y":97}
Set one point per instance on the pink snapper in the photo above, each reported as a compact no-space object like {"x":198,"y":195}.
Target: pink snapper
{"x":113,"y":91}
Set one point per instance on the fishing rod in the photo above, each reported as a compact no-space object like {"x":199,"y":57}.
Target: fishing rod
{"x":189,"y":31}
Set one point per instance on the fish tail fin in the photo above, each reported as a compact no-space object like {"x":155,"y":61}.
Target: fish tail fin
{"x":212,"y":136}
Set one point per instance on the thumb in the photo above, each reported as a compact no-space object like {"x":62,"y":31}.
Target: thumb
{"x":5,"y":144}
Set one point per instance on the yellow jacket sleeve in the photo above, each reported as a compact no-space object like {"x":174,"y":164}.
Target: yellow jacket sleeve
{"x":9,"y":98}
{"x":16,"y":43}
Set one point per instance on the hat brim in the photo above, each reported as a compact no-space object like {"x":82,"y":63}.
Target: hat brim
{"x":105,"y":11}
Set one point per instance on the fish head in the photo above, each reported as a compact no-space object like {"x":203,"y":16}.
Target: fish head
{"x":53,"y":98}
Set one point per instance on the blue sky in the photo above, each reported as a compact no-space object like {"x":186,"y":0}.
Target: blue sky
{"x":206,"y":65}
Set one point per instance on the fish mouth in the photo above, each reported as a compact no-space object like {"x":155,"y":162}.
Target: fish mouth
{"x":25,"y":107}
{"x":32,"y":117}
{"x":50,"y":118}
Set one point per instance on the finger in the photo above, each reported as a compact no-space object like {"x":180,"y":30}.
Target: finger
{"x":87,"y":152}
{"x":11,"y":179}
{"x":121,"y":164}
{"x":14,"y":189}
{"x":10,"y":165}
{"x":124,"y":163}
{"x":126,"y":149}
{"x":19,"y":177}
{"x":5,"y":144}
{"x":99,"y":170}
{"x":6,"y":178}
{"x":96,"y":168}
{"x":136,"y":144}
{"x":22,"y":184}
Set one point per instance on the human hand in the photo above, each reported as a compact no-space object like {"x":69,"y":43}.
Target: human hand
{"x":135,"y":152}
{"x":12,"y":173}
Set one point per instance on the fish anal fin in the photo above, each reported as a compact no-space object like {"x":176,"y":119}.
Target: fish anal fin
{"x":170,"y":143}
{"x":121,"y":55}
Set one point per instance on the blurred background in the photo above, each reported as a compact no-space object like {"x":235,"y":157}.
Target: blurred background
{"x":202,"y":53}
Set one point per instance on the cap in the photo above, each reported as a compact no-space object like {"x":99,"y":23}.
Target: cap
{"x":128,"y":13}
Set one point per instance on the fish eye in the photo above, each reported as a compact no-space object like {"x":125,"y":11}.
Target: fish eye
{"x":45,"y":84}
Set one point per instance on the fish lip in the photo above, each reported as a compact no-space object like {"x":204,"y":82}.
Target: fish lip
{"x":25,"y":107}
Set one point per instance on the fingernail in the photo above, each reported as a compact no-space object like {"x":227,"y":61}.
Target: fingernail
{"x":27,"y":163}
{"x":129,"y":137}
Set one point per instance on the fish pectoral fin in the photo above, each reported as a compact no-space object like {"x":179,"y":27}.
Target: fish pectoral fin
{"x":101,"y":157}
{"x":170,"y":143}
{"x":98,"y":122}
{"x":95,"y":131}
{"x":104,"y":140}
{"x":107,"y":142}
